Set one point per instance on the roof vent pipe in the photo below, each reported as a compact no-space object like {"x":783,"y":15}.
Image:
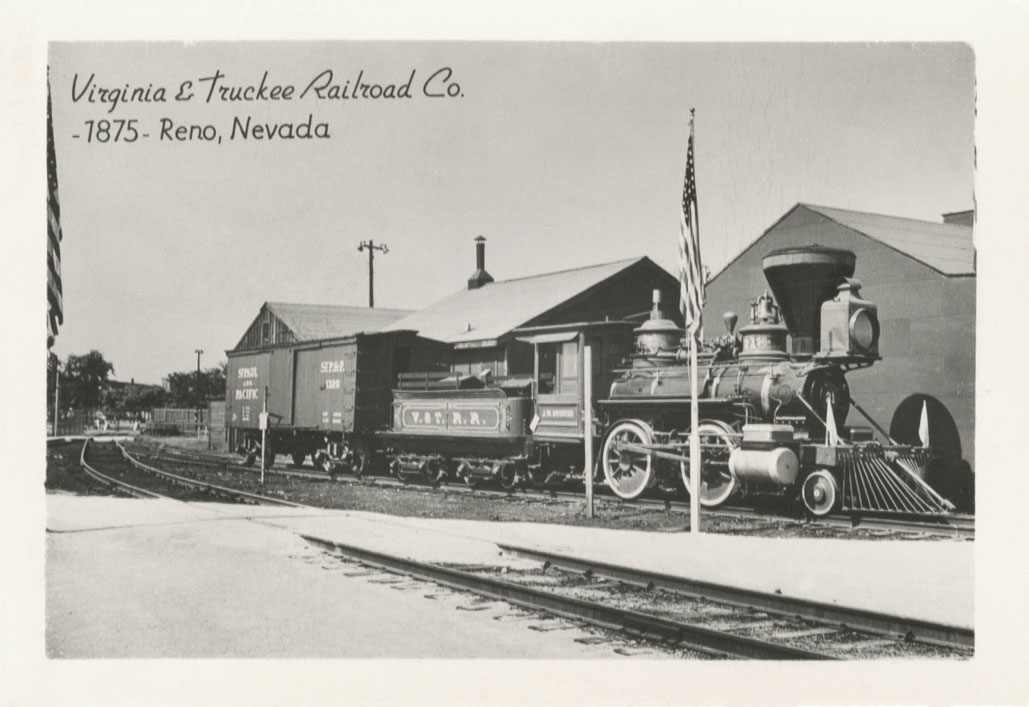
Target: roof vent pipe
{"x":480,"y":277}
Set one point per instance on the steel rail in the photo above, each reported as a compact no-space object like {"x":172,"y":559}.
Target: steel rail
{"x":633,"y":622}
{"x":110,"y":480}
{"x":859,"y":619}
{"x":208,"y":486}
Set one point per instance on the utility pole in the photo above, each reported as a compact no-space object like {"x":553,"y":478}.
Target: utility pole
{"x":198,"y":352}
{"x":370,"y":245}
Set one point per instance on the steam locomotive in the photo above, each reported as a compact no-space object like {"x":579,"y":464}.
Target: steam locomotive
{"x":773,"y":403}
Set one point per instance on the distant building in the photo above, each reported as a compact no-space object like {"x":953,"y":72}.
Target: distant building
{"x":921,"y":274}
{"x":286,"y":323}
{"x":478,"y":321}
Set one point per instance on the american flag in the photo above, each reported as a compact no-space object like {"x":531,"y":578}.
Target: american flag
{"x":691,"y":278}
{"x":55,"y":302}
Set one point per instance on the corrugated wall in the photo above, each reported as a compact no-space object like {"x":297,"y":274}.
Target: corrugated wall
{"x":928,"y":320}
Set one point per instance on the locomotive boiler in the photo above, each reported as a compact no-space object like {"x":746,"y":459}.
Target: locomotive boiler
{"x":773,"y":401}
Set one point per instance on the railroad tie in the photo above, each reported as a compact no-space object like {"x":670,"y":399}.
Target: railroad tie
{"x":820,"y":631}
{"x":870,"y":643}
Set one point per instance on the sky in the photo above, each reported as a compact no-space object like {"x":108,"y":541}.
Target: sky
{"x":560,"y":154}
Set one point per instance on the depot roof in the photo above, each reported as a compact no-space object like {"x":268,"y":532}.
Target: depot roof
{"x":485,"y":315}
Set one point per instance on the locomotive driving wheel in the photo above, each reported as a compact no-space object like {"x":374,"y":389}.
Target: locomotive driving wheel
{"x":716,"y":481}
{"x":628,"y":471}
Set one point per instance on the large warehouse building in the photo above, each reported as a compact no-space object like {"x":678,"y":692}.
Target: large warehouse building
{"x":921,"y":275}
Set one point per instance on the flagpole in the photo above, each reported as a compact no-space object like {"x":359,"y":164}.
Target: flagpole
{"x":694,"y":441}
{"x":694,"y":404}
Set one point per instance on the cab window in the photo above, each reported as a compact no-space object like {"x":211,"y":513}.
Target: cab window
{"x":569,"y":383}
{"x":547,"y":380}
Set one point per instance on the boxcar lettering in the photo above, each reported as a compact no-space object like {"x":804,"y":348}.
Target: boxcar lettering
{"x":250,"y":372}
{"x":332,"y":367}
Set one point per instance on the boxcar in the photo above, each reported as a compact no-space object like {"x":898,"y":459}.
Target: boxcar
{"x":324,"y":398}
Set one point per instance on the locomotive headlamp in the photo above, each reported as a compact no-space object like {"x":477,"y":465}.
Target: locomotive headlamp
{"x":864,"y":330}
{"x":850,"y":325}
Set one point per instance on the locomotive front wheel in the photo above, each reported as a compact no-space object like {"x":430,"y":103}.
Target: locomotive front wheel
{"x":716,"y":481}
{"x":627,"y":471}
{"x":820,"y":493}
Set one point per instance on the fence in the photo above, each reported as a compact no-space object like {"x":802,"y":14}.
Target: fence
{"x":179,"y":421}
{"x":71,"y":422}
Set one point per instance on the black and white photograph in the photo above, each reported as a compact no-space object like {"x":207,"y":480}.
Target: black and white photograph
{"x":659,"y":356}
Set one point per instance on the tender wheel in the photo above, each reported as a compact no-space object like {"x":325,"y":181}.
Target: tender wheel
{"x":627,"y":472}
{"x":434,"y":471}
{"x":470,"y":480}
{"x":508,"y":476}
{"x":360,"y":457}
{"x":537,"y":476}
{"x":820,"y":493}
{"x":717,"y":484}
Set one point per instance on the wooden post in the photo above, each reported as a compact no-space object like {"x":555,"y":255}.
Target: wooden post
{"x":587,"y":426}
{"x":264,"y":433}
{"x":57,"y":396}
{"x":694,"y":442}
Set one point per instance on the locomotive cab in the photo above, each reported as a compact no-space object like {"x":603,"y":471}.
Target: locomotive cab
{"x":558,"y":383}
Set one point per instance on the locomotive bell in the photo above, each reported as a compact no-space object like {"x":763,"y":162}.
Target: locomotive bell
{"x":764,"y":338}
{"x":657,"y":333}
{"x":801,"y":280}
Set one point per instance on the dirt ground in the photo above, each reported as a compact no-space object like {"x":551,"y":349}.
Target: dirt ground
{"x":378,"y":495}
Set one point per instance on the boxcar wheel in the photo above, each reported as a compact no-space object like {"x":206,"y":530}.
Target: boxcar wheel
{"x":628,"y":472}
{"x":717,"y":483}
{"x":360,"y":457}
{"x":298,"y":458}
{"x":269,"y":456}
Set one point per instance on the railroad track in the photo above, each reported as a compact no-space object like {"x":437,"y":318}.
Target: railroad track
{"x":955,"y":526}
{"x":834,"y":615}
{"x":680,"y":615}
{"x":122,"y":472}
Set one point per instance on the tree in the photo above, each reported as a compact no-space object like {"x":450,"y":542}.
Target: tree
{"x":83,"y":379}
{"x":182,"y":386}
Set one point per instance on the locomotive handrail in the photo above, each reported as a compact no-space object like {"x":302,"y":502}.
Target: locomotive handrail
{"x":875,"y":424}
